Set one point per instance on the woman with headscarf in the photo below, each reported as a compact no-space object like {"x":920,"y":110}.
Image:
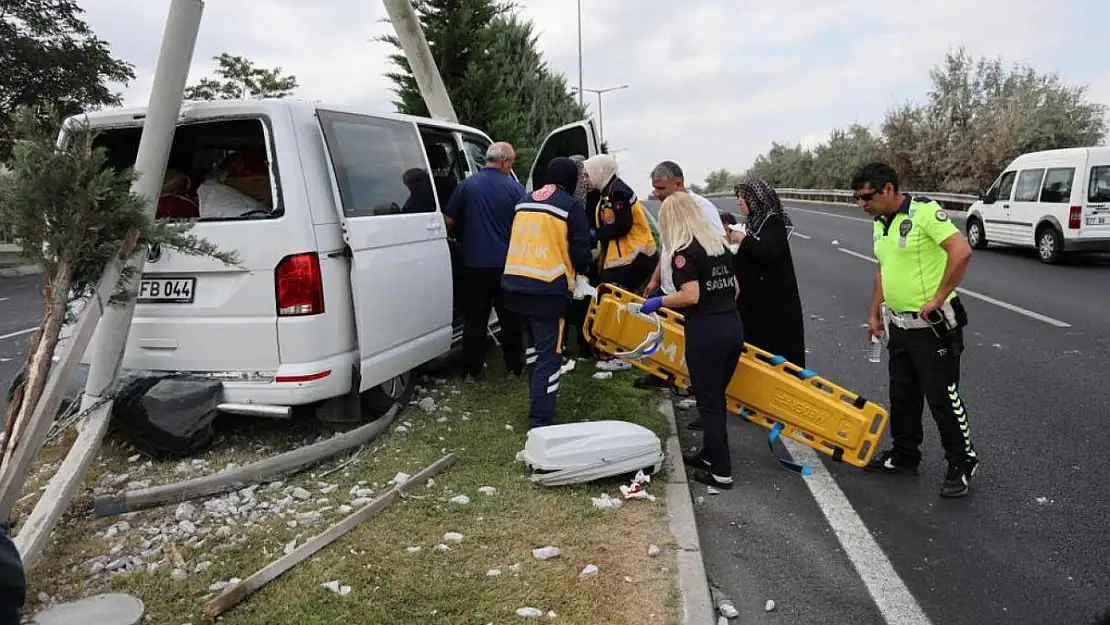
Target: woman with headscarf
{"x":628,"y":250}
{"x":549,"y":249}
{"x":769,"y":302}
{"x":577,"y":309}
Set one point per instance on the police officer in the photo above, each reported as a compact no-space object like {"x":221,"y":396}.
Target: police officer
{"x":705,"y":294}
{"x":922,"y":259}
{"x":548,"y":249}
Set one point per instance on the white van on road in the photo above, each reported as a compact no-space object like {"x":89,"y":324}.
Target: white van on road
{"x":346,"y":285}
{"x":1054,"y":201}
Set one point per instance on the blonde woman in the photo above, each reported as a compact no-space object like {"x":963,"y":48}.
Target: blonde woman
{"x":705,"y":293}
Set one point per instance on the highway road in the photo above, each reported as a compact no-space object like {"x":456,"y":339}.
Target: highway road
{"x":1032,"y":542}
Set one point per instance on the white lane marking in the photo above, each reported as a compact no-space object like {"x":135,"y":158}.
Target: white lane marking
{"x":831,"y":214}
{"x":889,"y":592}
{"x":801,"y":236}
{"x":4,"y":299}
{"x":15,"y":334}
{"x":986,"y":298}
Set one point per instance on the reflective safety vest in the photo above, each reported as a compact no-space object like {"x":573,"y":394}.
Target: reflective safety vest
{"x":638,"y":240}
{"x":539,"y":259}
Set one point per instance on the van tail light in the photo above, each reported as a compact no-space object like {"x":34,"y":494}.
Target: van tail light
{"x":1075,"y":217}
{"x":299,"y":286}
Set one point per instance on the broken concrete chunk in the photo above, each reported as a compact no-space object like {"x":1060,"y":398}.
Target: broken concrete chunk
{"x":654,"y":550}
{"x":453,"y":537}
{"x":462,"y":500}
{"x":493,"y":573}
{"x":546,"y":553}
{"x":602,"y":375}
{"x":184,"y":511}
{"x":727,"y":609}
{"x":427,"y":404}
{"x":301,"y":494}
{"x":589,"y":571}
{"x":442,"y":547}
{"x":399,"y":479}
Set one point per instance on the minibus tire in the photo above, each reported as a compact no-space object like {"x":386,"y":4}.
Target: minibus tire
{"x":377,"y":401}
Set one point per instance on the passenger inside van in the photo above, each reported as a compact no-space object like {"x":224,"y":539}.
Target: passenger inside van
{"x":239,"y":186}
{"x":421,"y":195}
{"x":175,"y":201}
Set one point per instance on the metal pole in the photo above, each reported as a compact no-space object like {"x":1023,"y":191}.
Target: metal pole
{"x":174,"y":59}
{"x":600,"y":119}
{"x":419,"y":55}
{"x":581,"y":92}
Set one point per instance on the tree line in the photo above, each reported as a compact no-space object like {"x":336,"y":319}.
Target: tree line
{"x":978,"y":115}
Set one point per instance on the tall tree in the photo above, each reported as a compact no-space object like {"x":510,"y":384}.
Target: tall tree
{"x":719,"y":180}
{"x":50,"y":56}
{"x":237,"y":78}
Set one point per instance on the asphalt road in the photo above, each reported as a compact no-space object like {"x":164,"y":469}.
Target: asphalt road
{"x":1032,"y":543}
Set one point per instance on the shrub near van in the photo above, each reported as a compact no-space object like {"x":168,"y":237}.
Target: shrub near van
{"x":1056,"y":201}
{"x":346,"y":284}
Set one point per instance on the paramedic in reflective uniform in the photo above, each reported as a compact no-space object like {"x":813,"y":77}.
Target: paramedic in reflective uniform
{"x":922,"y":259}
{"x":548,"y":249}
{"x":705,"y":293}
{"x":627,"y":246}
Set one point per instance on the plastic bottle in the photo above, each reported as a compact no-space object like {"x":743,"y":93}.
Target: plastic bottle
{"x":875,"y":351}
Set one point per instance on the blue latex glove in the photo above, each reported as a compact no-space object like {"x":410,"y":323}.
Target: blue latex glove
{"x":651,"y":305}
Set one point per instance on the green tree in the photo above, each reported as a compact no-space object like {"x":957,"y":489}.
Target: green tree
{"x":719,"y":180}
{"x":237,"y":78}
{"x":49,"y":55}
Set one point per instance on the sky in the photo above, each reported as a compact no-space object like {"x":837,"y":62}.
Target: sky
{"x":711,"y":83}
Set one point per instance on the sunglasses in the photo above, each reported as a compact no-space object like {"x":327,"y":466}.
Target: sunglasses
{"x":865,"y":197}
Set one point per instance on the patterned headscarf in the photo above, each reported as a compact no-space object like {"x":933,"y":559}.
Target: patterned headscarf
{"x":583,"y":186}
{"x":763,"y":203}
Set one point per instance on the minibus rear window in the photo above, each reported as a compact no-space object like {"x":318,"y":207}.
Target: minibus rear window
{"x":217,"y":171}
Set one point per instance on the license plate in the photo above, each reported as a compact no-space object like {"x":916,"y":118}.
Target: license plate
{"x":1098,"y":220}
{"x":166,"y":290}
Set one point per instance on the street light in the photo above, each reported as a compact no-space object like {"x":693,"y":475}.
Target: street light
{"x":581,"y":103}
{"x":600,"y":119}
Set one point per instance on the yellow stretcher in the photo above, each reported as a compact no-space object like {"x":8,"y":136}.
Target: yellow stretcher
{"x":766,"y":389}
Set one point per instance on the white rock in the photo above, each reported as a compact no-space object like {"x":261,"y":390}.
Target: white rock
{"x":515,"y":569}
{"x":337,"y":588}
{"x":360,"y":502}
{"x":135,"y":458}
{"x":400,"y":429}
{"x":727,"y":609}
{"x":602,"y":375}
{"x":654,"y":550}
{"x":441,"y":420}
{"x":769,"y":606}
{"x":223,"y":531}
{"x":709,"y":490}
{"x":546,"y":553}
{"x":431,"y":483}
{"x":442,"y":547}
{"x":201,"y":566}
{"x":184,"y":511}
{"x":427,"y":404}
{"x":309,"y":518}
{"x":487,"y":490}
{"x":330,"y":488}
{"x":686,"y":404}
{"x":400,"y":478}
{"x":493,"y":573}
{"x":300,"y":493}
{"x":589,"y":571}
{"x":453,"y":537}
{"x":187,"y":527}
{"x":412,"y":549}
{"x":345,"y":509}
{"x":508,"y":427}
{"x":178,"y":575}
{"x":528,"y":613}
{"x":551,"y":614}
{"x":462,"y":500}
{"x":97,"y":567}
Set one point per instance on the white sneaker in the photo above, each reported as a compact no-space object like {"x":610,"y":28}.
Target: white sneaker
{"x":615,"y":364}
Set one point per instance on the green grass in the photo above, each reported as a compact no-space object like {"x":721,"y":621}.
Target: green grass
{"x":392,"y":586}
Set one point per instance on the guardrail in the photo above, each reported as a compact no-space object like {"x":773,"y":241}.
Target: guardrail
{"x":950,"y":201}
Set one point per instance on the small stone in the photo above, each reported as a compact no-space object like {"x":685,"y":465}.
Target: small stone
{"x":360,"y":502}
{"x":551,"y":614}
{"x":727,"y":609}
{"x":769,"y":606}
{"x":441,"y":420}
{"x":431,"y":483}
{"x":337,"y":588}
{"x":709,"y":490}
{"x":345,"y":509}
{"x":528,"y":613}
{"x":184,"y":511}
{"x":309,"y":518}
{"x":223,"y":531}
{"x":515,"y":569}
{"x":493,"y":573}
{"x":462,"y":500}
{"x":654,"y":550}
{"x":546,"y":553}
{"x":400,"y":429}
{"x":442,"y":547}
{"x":589,"y":571}
{"x":508,"y":427}
{"x":453,"y":537}
{"x":330,"y":488}
{"x":116,"y":565}
{"x":97,"y":568}
{"x":187,"y":527}
{"x":487,"y":490}
{"x":202,"y":566}
{"x":178,"y":575}
{"x":427,"y":404}
{"x":300,"y":493}
{"x":399,"y":479}
{"x":133,"y":459}
{"x":413,"y":549}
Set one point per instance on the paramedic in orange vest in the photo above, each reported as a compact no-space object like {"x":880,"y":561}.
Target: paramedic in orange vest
{"x":627,"y":246}
{"x":548,"y":249}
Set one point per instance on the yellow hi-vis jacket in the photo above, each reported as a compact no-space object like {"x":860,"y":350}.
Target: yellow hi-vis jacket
{"x":622,"y":226}
{"x":549,"y":244}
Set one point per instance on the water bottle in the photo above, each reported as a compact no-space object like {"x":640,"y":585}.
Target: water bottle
{"x":875,"y":351}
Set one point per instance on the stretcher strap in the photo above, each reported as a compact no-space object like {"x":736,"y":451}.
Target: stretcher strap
{"x":789,"y":465}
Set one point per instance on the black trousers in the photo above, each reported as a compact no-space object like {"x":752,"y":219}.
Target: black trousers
{"x":481,"y":290}
{"x":926,"y":368}
{"x":633,"y":276}
{"x":713,"y":347}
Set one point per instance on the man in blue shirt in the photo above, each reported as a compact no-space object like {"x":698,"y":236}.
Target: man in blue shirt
{"x":481,"y":212}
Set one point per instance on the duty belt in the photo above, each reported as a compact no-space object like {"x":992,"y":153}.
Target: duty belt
{"x":913,"y":321}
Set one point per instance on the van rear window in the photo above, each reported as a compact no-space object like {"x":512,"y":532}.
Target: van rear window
{"x":217,"y":170}
{"x":1100,"y":184}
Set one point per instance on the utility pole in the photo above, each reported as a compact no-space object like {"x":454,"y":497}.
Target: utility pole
{"x":415,"y":46}
{"x":600,"y":116}
{"x":581,"y":100}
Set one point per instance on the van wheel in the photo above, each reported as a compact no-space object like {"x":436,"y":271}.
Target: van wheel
{"x":378,"y":400}
{"x":975,"y":235}
{"x":1050,"y":245}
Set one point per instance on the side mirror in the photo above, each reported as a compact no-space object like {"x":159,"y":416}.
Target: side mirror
{"x":990,"y":196}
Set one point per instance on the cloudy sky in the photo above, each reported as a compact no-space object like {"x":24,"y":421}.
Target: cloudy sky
{"x":711,"y":82}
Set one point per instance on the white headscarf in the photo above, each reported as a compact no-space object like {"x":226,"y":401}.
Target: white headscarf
{"x":601,"y":170}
